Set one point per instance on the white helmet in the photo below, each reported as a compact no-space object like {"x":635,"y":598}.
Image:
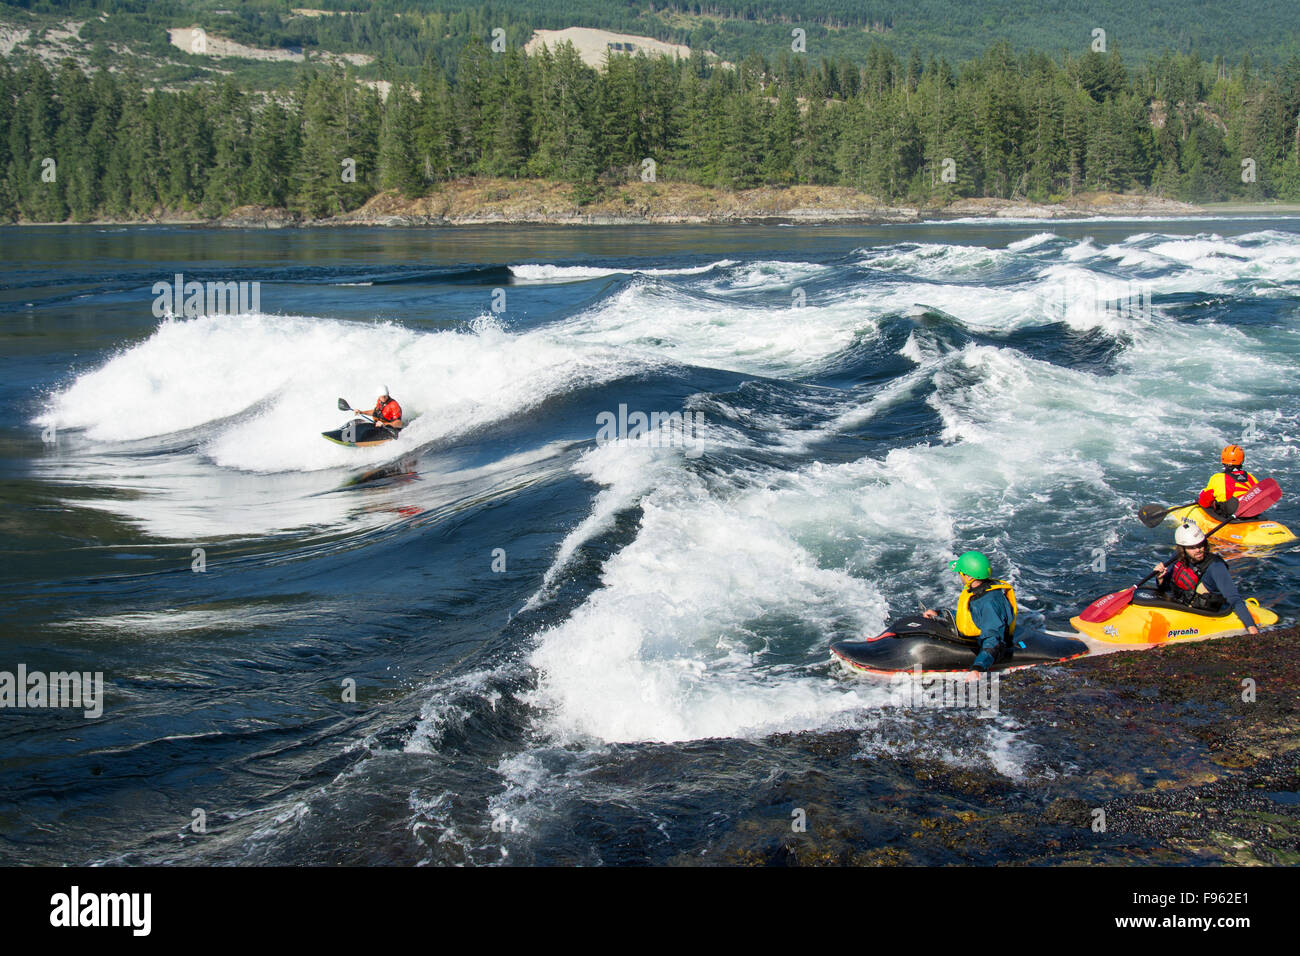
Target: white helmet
{"x":383,"y":391}
{"x":1188,"y":535}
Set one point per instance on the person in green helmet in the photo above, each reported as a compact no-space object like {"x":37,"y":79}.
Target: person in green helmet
{"x":986,"y":610}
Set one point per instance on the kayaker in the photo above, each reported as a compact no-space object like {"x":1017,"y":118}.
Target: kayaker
{"x":986,"y":610}
{"x":387,"y":412}
{"x":1200,"y":578}
{"x":1225,"y":487}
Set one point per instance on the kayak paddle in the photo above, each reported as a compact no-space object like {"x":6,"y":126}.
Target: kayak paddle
{"x":1256,"y":501}
{"x":1152,"y":515}
{"x":1104,"y":608}
{"x":345,"y":407}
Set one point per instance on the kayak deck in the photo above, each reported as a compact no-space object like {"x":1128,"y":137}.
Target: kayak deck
{"x":1247,"y":533}
{"x":1149,"y":620}
{"x":929,"y":647}
{"x":362,"y":434}
{"x":934,"y":647}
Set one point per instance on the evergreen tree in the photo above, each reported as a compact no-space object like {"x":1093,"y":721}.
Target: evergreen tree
{"x":33,"y":145}
{"x":273,"y":155}
{"x":783,"y":142}
{"x":1001,"y":129}
{"x":318,"y":183}
{"x":508,"y":149}
{"x":620,"y":112}
{"x":566,"y":148}
{"x":78,"y":166}
{"x":8,"y":93}
{"x":435,"y":132}
{"x":400,"y":165}
{"x":231,"y":122}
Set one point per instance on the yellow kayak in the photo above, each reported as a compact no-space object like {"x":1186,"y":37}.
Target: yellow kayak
{"x":1251,"y":533}
{"x":1150,"y":620}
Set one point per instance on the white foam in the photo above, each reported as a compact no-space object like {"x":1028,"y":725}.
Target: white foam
{"x":708,"y":623}
{"x":279,"y":377}
{"x":1032,"y":242}
{"x":668,"y":325}
{"x":640,"y":468}
{"x":771,"y":274}
{"x":1035,"y":220}
{"x":669,"y":648}
{"x":546,"y":272}
{"x":936,"y":259}
{"x":993,"y":744}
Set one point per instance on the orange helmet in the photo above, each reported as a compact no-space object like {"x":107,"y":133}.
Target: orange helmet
{"x":1233,"y":455}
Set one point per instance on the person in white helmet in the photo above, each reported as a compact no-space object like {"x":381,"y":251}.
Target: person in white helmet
{"x":1199,"y":578}
{"x":387,"y":413}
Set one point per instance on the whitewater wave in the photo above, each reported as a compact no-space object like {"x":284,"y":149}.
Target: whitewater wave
{"x":259,"y":389}
{"x":714,"y":620}
{"x":546,"y":272}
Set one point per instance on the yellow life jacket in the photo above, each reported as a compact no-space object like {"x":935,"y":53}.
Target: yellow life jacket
{"x":966,"y":624}
{"x":1227,"y":486}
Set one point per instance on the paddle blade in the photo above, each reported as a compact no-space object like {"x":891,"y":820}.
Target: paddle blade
{"x":1104,"y":608}
{"x":1152,"y":515}
{"x":1259,"y":499}
{"x":344,"y":406}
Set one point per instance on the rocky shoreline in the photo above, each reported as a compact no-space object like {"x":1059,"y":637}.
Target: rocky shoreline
{"x":481,"y":202}
{"x":506,"y":201}
{"x":1162,"y":758}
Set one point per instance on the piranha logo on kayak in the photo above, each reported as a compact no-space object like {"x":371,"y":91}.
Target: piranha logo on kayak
{"x":660,"y":429}
{"x":1184,"y":631}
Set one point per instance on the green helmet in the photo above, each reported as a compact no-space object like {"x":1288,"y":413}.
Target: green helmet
{"x":972,"y":563}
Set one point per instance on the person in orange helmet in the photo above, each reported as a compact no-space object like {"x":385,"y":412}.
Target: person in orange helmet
{"x":1221,"y":492}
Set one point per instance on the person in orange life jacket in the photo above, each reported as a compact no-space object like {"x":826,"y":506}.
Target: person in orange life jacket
{"x":1225,"y":487}
{"x":387,"y":412}
{"x":986,"y":610}
{"x":1199,"y":578}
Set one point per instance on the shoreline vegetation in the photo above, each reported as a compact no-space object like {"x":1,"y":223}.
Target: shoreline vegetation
{"x":488,"y":201}
{"x":513,"y":137}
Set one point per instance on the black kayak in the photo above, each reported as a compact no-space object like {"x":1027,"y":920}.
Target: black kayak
{"x":360,"y":434}
{"x":935,"y":646}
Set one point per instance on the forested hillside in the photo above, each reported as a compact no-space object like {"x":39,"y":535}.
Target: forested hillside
{"x":1005,"y":125}
{"x":402,"y":34}
{"x":101,"y":137}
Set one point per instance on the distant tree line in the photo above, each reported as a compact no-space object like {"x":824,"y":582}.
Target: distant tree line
{"x":402,"y":33}
{"x":1013,"y":126}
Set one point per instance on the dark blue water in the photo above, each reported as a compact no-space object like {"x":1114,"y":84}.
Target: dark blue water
{"x":505,"y":639}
